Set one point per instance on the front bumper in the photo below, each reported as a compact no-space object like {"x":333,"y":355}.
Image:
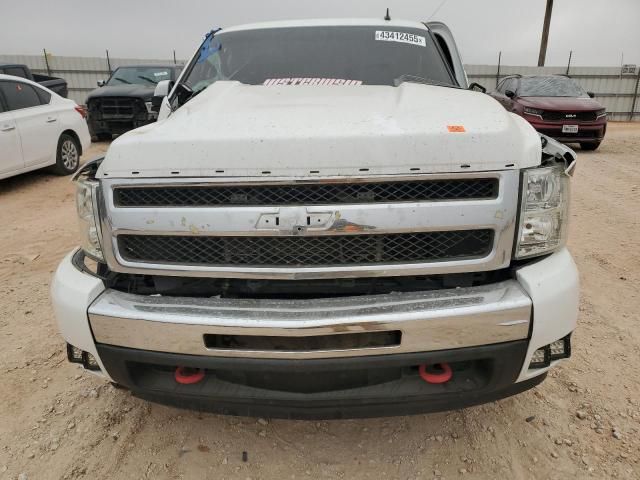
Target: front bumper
{"x":489,"y":332}
{"x":117,"y":125}
{"x":322,"y":328}
{"x":369,"y":386}
{"x":588,"y":132}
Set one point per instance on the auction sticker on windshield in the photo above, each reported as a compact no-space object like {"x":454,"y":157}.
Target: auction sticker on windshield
{"x":401,"y":37}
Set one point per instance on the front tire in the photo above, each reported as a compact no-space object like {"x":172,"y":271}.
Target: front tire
{"x":67,"y":155}
{"x":589,"y":146}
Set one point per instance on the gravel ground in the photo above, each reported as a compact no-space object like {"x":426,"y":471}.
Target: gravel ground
{"x":583,"y":422}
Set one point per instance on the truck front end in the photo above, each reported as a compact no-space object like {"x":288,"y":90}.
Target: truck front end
{"x":327,"y":250}
{"x":123,"y":102}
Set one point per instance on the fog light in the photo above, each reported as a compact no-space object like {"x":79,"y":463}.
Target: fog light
{"x":89,"y":361}
{"x":561,"y":348}
{"x":74,"y":354}
{"x":540,"y":358}
{"x":557,"y":350}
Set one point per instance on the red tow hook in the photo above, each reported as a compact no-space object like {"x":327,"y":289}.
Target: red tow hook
{"x":436,"y":373}
{"x":188,"y":376}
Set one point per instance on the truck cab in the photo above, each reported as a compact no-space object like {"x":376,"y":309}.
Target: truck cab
{"x":55,"y":84}
{"x":325,"y":222}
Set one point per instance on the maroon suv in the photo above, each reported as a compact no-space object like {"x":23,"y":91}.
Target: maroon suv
{"x":556,"y":106}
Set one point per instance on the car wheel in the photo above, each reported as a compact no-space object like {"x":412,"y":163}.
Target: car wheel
{"x":68,"y":155}
{"x":589,"y":146}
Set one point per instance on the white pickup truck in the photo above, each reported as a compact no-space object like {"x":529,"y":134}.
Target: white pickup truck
{"x":325,"y":222}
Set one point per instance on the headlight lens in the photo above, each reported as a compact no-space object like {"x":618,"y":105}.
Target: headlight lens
{"x":544,"y":211}
{"x":86,"y":207}
{"x":601,"y":113}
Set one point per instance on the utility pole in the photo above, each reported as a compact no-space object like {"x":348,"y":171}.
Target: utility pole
{"x":545,"y":34}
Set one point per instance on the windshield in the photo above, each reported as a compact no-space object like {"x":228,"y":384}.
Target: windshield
{"x":361,"y":55}
{"x":140,"y":75}
{"x":550,"y":87}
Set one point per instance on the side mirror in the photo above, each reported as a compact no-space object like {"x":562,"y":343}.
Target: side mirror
{"x":162,"y":90}
{"x":101,"y":83}
{"x":510,"y":93}
{"x":591,"y":94}
{"x":476,"y":87}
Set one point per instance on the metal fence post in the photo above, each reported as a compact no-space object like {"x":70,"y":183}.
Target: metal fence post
{"x":635,"y":97}
{"x":108,"y":62}
{"x":46,"y":61}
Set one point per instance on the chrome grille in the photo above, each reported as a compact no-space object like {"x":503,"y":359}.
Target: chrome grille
{"x":306,"y":194}
{"x":300,"y":251}
{"x":464,"y":222}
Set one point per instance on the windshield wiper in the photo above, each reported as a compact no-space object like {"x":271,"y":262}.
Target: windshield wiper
{"x":425,"y":81}
{"x":123,"y":80}
{"x":148,"y":79}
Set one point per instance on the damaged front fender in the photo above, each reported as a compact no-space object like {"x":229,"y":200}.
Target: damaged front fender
{"x":89,"y":169}
{"x":554,"y":150}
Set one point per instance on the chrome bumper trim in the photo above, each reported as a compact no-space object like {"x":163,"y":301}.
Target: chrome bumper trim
{"x":429,"y":321}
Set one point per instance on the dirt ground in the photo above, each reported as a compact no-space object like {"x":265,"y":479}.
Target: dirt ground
{"x":582,"y":422}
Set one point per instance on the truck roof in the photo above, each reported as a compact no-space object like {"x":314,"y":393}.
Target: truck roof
{"x":329,"y":22}
{"x":3,"y":65}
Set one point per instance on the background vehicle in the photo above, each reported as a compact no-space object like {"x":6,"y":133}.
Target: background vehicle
{"x":56,"y":85}
{"x":556,"y":106}
{"x":38,"y":128}
{"x":326,"y":223}
{"x":123,"y":102}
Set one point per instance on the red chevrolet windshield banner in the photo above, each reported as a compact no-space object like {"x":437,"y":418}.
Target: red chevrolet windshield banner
{"x":310,"y":81}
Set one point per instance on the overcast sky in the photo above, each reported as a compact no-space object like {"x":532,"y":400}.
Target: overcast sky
{"x":598,"y":31}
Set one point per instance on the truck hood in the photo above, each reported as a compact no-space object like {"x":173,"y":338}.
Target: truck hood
{"x":137,"y":91}
{"x":237,"y":130}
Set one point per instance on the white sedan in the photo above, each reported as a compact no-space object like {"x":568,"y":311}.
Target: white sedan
{"x":39,"y":128}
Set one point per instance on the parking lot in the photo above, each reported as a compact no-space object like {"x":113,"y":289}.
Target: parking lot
{"x":60,"y":422}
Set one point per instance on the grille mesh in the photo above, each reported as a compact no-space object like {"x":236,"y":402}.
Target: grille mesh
{"x":578,"y":116}
{"x":120,"y":106}
{"x":306,"y":194}
{"x":300,"y":251}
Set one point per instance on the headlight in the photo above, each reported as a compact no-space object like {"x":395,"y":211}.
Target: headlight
{"x":87,"y":214}
{"x":601,"y":113}
{"x":544,"y":211}
{"x":533,"y":111}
